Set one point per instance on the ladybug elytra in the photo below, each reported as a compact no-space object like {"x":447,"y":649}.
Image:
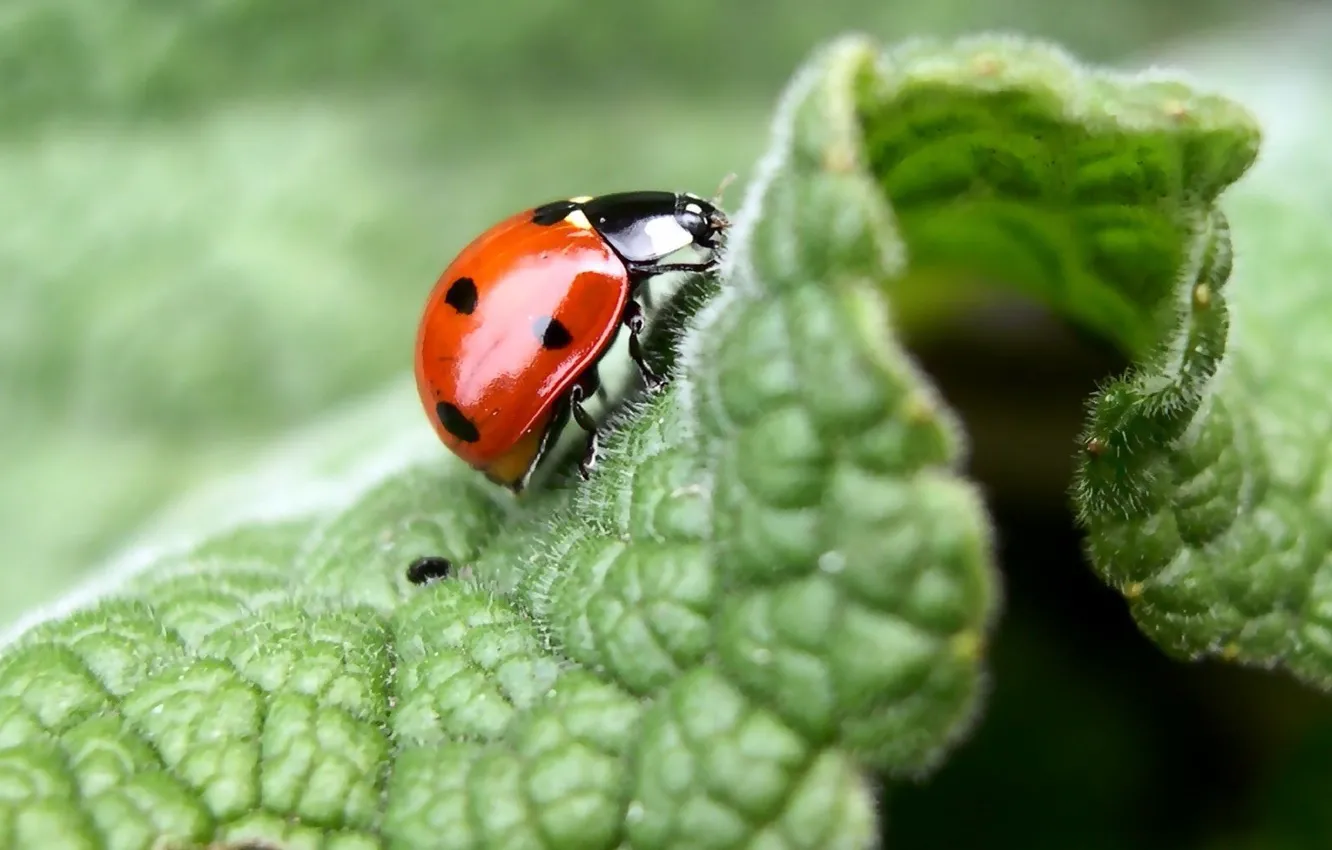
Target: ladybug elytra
{"x":514,"y":329}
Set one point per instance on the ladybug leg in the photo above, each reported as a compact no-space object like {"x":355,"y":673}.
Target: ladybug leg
{"x":585,"y":421}
{"x":633,"y":318}
{"x":654,"y":269}
{"x":591,"y":383}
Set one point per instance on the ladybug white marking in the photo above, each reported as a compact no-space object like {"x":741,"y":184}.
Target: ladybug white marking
{"x":666,"y":236}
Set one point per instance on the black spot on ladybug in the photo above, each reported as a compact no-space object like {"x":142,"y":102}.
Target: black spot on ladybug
{"x":552,"y":213}
{"x":456,"y":423}
{"x":427,"y":568}
{"x":552,"y":331}
{"x":462,"y":295}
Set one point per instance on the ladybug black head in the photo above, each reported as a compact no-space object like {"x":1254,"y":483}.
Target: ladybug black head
{"x":645,"y":227}
{"x":700,"y":218}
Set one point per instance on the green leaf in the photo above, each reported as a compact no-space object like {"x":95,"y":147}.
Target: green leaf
{"x":777,"y":583}
{"x":1205,"y":485}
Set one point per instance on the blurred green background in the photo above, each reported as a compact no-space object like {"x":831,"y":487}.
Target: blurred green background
{"x":218,"y":220}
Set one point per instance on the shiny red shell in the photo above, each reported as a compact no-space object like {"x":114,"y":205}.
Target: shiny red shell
{"x":484,"y":342}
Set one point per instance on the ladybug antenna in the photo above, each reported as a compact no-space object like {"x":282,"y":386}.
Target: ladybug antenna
{"x":721,"y":187}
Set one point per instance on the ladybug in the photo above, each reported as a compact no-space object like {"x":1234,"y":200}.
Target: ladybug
{"x":514,"y":329}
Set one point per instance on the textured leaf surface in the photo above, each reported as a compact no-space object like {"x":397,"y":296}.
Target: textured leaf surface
{"x":1205,"y":484}
{"x":776,"y":582}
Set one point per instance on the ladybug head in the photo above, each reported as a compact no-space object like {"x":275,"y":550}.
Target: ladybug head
{"x":701,"y":219}
{"x":646,"y":227}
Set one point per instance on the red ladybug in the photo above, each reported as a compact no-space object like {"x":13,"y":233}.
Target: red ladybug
{"x":515,"y":327}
